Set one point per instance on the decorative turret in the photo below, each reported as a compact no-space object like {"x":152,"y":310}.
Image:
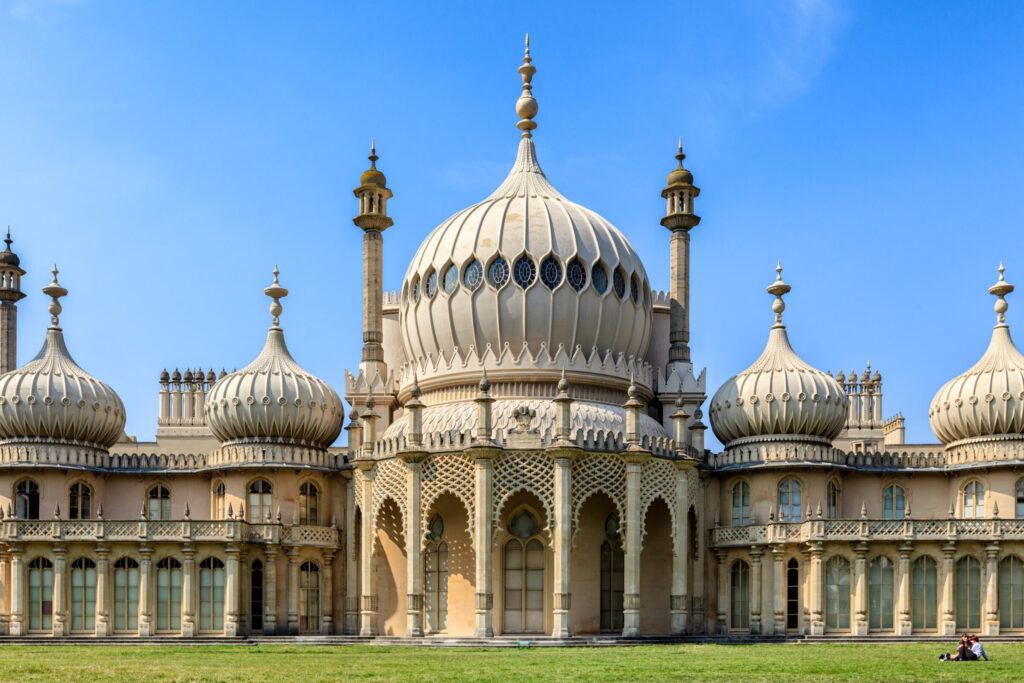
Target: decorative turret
{"x":373,"y":196}
{"x":680,"y":218}
{"x":10,"y":295}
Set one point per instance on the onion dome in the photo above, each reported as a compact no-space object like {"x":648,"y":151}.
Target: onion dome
{"x":51,"y":400}
{"x":8,"y":257}
{"x":988,"y":399}
{"x":176,"y":376}
{"x":273,"y":400}
{"x":525,"y":267}
{"x":165,"y":376}
{"x":210,"y":377}
{"x":779,"y":396}
{"x":680,"y":176}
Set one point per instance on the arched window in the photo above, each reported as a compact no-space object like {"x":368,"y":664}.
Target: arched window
{"x":881,"y":604}
{"x":599,"y":276}
{"x":1011,"y":593}
{"x":894,"y":503}
{"x":168,"y":595}
{"x":259,"y":501}
{"x":126,"y":594}
{"x":309,"y":504}
{"x":256,"y":596}
{"x":40,"y":594}
{"x":832,"y":500}
{"x":1020,"y":499}
{"x":740,"y":503}
{"x":83,"y":594}
{"x":793,"y":594}
{"x":26,"y":494}
{"x":739,"y":595}
{"x":974,"y":500}
{"x":924,"y":594}
{"x":435,"y":571}
{"x":159,"y":503}
{"x":968,"y":594}
{"x":524,"y":576}
{"x":80,"y":499}
{"x":211,"y":595}
{"x":613,"y":583}
{"x":219,"y":494}
{"x":309,"y":597}
{"x":789,"y":500}
{"x":837,"y":593}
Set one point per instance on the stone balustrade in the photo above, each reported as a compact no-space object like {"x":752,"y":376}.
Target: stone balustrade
{"x":898,"y":530}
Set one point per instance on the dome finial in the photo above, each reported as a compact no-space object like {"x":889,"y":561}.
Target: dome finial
{"x":373,"y":154}
{"x":55,"y":292}
{"x":8,"y":240}
{"x":526,"y":105}
{"x":1001,"y":289}
{"x":276,"y":292}
{"x":679,"y":155}
{"x":779,"y":289}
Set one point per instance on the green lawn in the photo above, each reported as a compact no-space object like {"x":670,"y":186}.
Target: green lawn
{"x":373,"y":663}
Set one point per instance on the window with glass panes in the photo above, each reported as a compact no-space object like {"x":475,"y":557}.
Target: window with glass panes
{"x":968,"y":594}
{"x":40,"y":594}
{"x":309,"y":597}
{"x":837,"y":593}
{"x":26,"y":495}
{"x":1011,"y":593}
{"x":435,"y":571}
{"x":789,"y":500}
{"x":219,"y":494}
{"x":309,"y":503}
{"x":159,"y":503}
{"x":832,"y":500}
{"x":612,"y":575}
{"x":894,"y":504}
{"x":211,"y":595}
{"x":881,"y":589}
{"x":740,"y":503}
{"x":80,"y":500}
{"x":974,"y":500}
{"x":83,"y":594}
{"x":523,"y":576}
{"x":739,"y":595}
{"x":259,"y":501}
{"x":256,"y":596}
{"x":924,"y":594}
{"x":126,"y":594}
{"x":168,"y":594}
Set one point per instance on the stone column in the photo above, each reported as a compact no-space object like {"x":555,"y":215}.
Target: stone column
{"x":679,"y":601}
{"x":779,"y":588}
{"x":18,"y":627}
{"x":634,"y":532}
{"x":562,"y":540}
{"x":948,"y":625}
{"x":817,"y":591}
{"x":991,"y":590}
{"x":145,"y":597}
{"x":231,"y":590}
{"x":414,"y":546}
{"x":755,"y":589}
{"x":722,"y":625}
{"x":697,"y":599}
{"x":244,"y":593}
{"x":327,"y":594}
{"x":293,"y":590}
{"x":189,"y":628}
{"x":351,"y":559}
{"x":484,"y":458}
{"x":860,"y":590}
{"x":368,"y":612}
{"x":904,"y":624}
{"x":60,"y":609}
{"x":5,"y":604}
{"x":270,"y":592}
{"x":102,"y":600}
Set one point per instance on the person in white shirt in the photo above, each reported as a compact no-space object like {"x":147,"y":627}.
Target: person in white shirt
{"x":977,"y":648}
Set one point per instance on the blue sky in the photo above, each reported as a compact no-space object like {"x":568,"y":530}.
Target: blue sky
{"x":167,"y":154}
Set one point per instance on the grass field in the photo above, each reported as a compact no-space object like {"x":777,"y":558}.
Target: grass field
{"x":372,"y":663}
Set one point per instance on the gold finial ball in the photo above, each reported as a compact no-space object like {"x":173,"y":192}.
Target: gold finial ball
{"x":55,"y":310}
{"x":778,"y":306}
{"x":1001,"y":306}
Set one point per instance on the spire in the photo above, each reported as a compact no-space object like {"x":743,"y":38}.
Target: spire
{"x":1000,"y":289}
{"x":55,"y":292}
{"x":779,"y":289}
{"x":8,"y":239}
{"x":526,"y":105}
{"x":276,"y":292}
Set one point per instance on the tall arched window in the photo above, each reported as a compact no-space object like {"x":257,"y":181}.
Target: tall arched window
{"x":259,"y":501}
{"x":894,"y":503}
{"x":1020,"y":499}
{"x":793,"y":594}
{"x":837,"y":593}
{"x":740,"y":503}
{"x":159,"y":503}
{"x":309,"y":503}
{"x":968,"y":594}
{"x":524,"y":576}
{"x":832,"y":500}
{"x":789,"y":500}
{"x":26,"y":494}
{"x":739,"y":595}
{"x":881,"y":605}
{"x":40,"y":594}
{"x":168,"y":595}
{"x":256,"y":596}
{"x":80,"y":501}
{"x":309,"y":597}
{"x":83,"y":594}
{"x":219,"y":494}
{"x":435,"y":571}
{"x":1011,"y":593}
{"x":612,"y":575}
{"x":126,"y":594}
{"x":974,"y":500}
{"x":211,"y":595}
{"x":924,"y":594}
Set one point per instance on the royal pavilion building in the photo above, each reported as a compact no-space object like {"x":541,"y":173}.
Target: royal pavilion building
{"x":525,"y":455}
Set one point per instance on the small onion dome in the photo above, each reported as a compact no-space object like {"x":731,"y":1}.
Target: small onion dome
{"x":210,"y":377}
{"x":779,"y":395}
{"x":176,"y":376}
{"x":52,"y":400}
{"x":8,"y":257}
{"x":372,"y":176}
{"x":679,"y":175}
{"x":273,"y":400}
{"x":988,"y":399}
{"x":165,"y":376}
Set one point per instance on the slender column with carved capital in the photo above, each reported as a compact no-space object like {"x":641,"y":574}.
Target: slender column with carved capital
{"x":373,"y":219}
{"x":860,"y":590}
{"x":293,"y":590}
{"x":562,"y":538}
{"x":351,"y":559}
{"x":948,"y":606}
{"x":188,"y":599}
{"x":680,"y":219}
{"x":270,"y":592}
{"x":681,"y":559}
{"x":755,"y":589}
{"x":102,"y":609}
{"x":779,"y":589}
{"x":635,"y":459}
{"x":327,"y":594}
{"x":145,"y":593}
{"x":368,"y":608}
{"x":414,"y":546}
{"x":484,"y":457}
{"x":60,"y":613}
{"x":904,"y":624}
{"x":817,"y":591}
{"x":722,"y":622}
{"x":5,"y":603}
{"x":17,"y":623}
{"x":231,"y":582}
{"x":991,"y":590}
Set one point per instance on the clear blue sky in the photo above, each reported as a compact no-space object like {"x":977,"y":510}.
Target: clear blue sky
{"x":167,"y":154}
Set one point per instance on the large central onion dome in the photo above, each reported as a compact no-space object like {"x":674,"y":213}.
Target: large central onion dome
{"x":779,"y":396}
{"x":273,"y":400}
{"x":525,"y":267}
{"x":52,"y":400}
{"x":988,"y":399}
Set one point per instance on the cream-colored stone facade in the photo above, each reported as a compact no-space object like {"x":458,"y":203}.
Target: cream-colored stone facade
{"x":525,"y":454}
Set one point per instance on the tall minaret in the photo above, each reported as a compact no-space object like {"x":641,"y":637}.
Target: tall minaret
{"x":10,"y":295}
{"x":373,"y":218}
{"x":680,"y":218}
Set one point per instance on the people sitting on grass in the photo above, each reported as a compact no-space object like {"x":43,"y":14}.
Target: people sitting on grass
{"x":970,"y":649}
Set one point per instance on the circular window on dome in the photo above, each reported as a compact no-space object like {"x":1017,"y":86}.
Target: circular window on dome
{"x":474,"y":275}
{"x":416,"y":289}
{"x":523,"y":524}
{"x":576,"y":274}
{"x":599,"y":276}
{"x":524,"y":271}
{"x":432,"y":283}
{"x":619,"y":284}
{"x":634,"y":289}
{"x":550,"y":272}
{"x":451,"y":279}
{"x":497,"y":273}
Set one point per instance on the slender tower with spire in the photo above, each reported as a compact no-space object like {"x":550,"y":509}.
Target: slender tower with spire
{"x":680,"y":219}
{"x":10,"y":295}
{"x":373,"y":196}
